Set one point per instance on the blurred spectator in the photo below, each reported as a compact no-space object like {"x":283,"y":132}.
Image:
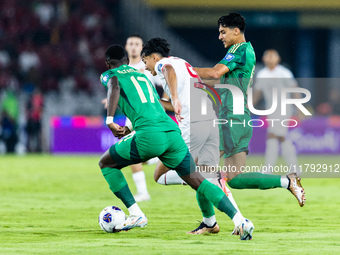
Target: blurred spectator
{"x":55,"y":39}
{"x":5,"y":59}
{"x":324,"y":109}
{"x":334,"y":97}
{"x":33,"y":128}
{"x":9,"y":110}
{"x":28,"y":59}
{"x":44,"y":10}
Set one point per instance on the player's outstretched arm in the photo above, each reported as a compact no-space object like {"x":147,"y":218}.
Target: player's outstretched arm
{"x":166,"y":102}
{"x":167,"y":105}
{"x":215,"y":72}
{"x":257,"y":96}
{"x":113,"y":92}
{"x":171,"y":79}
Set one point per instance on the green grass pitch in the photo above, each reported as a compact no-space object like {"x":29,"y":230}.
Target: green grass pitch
{"x":50,"y":205}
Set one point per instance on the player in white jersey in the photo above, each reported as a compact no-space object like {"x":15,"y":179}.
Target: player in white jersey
{"x":133,"y":47}
{"x":274,"y":75}
{"x":179,"y":80}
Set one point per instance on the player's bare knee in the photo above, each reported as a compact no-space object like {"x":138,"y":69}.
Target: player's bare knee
{"x":156,"y":177}
{"x":156,"y":174}
{"x":101,"y":164}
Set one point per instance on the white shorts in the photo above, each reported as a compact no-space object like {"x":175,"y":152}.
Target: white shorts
{"x":277,"y":129}
{"x":204,"y":143}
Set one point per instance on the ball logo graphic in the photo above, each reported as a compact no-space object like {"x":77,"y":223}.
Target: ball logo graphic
{"x":107,"y":217}
{"x":110,"y":217}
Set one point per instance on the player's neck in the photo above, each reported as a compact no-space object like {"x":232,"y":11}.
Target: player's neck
{"x":271,"y":68}
{"x":240,"y":39}
{"x":135,"y":60}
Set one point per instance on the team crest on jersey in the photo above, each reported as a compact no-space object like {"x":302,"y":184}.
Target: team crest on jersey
{"x":105,"y":78}
{"x":160,"y":67}
{"x":229,"y":57}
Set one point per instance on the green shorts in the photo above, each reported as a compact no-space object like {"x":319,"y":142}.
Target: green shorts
{"x":235,"y":138}
{"x":168,"y":146}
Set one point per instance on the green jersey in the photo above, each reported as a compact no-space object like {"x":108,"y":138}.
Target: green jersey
{"x":240,"y":60}
{"x":139,"y":100}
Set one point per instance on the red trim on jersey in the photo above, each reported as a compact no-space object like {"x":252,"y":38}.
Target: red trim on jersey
{"x":164,"y":66}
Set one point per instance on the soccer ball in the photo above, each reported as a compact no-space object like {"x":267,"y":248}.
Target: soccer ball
{"x":110,"y":217}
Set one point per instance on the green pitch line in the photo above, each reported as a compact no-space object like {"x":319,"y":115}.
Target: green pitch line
{"x":50,"y":205}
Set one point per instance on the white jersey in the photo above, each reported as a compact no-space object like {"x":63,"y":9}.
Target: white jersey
{"x":185,"y":90}
{"x":279,"y":77}
{"x":141,"y":67}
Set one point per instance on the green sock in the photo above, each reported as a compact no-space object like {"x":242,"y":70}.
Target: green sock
{"x":118,"y":185}
{"x":217,"y":197}
{"x":255,"y":181}
{"x":205,"y":205}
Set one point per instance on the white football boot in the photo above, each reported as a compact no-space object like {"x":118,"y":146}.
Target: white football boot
{"x":133,"y":221}
{"x":246,"y":230}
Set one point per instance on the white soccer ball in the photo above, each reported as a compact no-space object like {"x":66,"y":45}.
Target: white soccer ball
{"x":110,"y":217}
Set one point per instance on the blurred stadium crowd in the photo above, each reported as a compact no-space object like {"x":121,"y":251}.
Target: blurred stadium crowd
{"x":49,"y":44}
{"x":50,"y":51}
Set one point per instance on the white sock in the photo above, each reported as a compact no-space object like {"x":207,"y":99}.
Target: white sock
{"x":289,"y":154}
{"x":135,"y":210}
{"x":210,"y":221}
{"x":232,"y":200}
{"x":237,"y":219}
{"x":170,"y":178}
{"x":139,"y":179}
{"x":284,"y":182}
{"x":272,"y":153}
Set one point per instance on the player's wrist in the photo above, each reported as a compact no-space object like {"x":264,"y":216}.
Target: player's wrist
{"x":109,"y":120}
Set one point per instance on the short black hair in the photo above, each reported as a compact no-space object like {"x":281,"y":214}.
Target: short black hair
{"x":156,"y":45}
{"x":233,"y":20}
{"x":115,"y":52}
{"x":135,"y":35}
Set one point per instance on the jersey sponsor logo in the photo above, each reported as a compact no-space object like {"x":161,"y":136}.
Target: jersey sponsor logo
{"x":160,"y":67}
{"x":229,"y":57}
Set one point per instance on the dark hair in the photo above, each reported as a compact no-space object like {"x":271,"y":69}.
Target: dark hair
{"x":233,"y":20}
{"x":135,"y":35}
{"x":156,"y":45}
{"x":115,"y":52}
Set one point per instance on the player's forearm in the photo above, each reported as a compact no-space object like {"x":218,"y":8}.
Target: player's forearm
{"x":112,"y":100}
{"x":207,"y":73}
{"x":171,"y":80}
{"x":167,"y":105}
{"x":257,"y":96}
{"x":211,"y":82}
{"x":215,"y":72}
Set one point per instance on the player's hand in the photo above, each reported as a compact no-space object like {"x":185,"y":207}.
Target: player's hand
{"x":104,"y":102}
{"x":116,"y":130}
{"x":177,"y":109}
{"x":126,"y":131}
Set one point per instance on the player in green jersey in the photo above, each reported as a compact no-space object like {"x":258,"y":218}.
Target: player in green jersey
{"x":156,"y":136}
{"x":237,"y":68}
